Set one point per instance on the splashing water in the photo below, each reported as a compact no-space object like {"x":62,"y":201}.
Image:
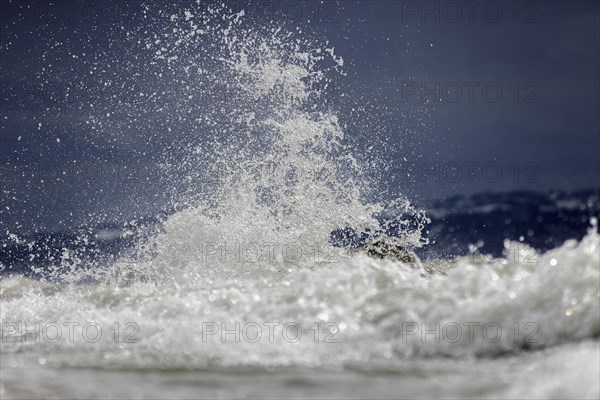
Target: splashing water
{"x":260,"y":173}
{"x":286,"y":176}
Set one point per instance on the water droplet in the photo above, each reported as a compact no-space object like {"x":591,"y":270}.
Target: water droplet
{"x":569,"y":312}
{"x":323,"y":317}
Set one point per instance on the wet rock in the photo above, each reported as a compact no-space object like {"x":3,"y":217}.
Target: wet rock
{"x":389,"y":248}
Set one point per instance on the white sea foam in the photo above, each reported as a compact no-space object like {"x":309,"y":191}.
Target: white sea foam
{"x":255,"y":252}
{"x":375,"y":304}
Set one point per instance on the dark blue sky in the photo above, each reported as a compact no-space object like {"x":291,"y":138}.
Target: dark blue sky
{"x":476,"y":96}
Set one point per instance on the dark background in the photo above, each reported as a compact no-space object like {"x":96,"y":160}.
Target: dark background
{"x":540,"y":133}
